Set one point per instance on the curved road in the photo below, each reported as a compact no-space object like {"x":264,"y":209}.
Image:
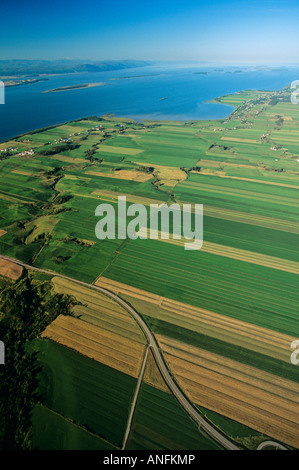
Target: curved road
{"x":187,"y":405}
{"x":276,"y":445}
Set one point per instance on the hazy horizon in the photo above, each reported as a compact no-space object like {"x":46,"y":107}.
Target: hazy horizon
{"x":159,"y":61}
{"x":232,"y":32}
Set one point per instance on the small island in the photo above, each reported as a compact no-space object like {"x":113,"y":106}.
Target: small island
{"x":74,"y":87}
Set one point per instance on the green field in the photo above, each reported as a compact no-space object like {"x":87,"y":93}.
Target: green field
{"x":84,"y":391}
{"x":51,"y":431}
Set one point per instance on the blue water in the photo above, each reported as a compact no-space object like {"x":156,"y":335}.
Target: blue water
{"x":26,"y":108}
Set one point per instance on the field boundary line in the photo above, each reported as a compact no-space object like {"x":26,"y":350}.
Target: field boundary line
{"x":81,"y":426}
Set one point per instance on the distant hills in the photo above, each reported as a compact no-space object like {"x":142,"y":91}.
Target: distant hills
{"x":18,"y":67}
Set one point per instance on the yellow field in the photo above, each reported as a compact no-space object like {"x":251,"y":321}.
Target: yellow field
{"x":10,"y":269}
{"x":102,"y":345}
{"x":2,"y":232}
{"x":100,"y":310}
{"x":237,"y":139}
{"x":113,"y":195}
{"x":211,"y":171}
{"x":16,"y":144}
{"x":24,"y":173}
{"x":130,"y":175}
{"x":248,"y":395}
{"x":237,"y":332}
{"x":168,"y":175}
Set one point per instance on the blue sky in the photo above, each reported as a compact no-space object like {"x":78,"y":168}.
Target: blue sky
{"x":217,"y":31}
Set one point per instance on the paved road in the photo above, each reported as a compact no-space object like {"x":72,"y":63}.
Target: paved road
{"x":276,"y":445}
{"x":184,"y":401}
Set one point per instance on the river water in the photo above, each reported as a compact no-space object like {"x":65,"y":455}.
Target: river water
{"x":186,"y":88}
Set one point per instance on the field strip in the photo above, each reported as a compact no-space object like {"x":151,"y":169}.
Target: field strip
{"x":238,"y":139}
{"x":235,"y":253}
{"x":10,"y":269}
{"x":252,"y":219}
{"x":217,"y":163}
{"x":246,"y":194}
{"x":130,"y":175}
{"x":211,"y":211}
{"x":65,"y":158}
{"x":238,"y":332}
{"x":285,"y":185}
{"x":277,"y":300}
{"x":16,"y":200}
{"x":113,"y":195}
{"x":119,"y":150}
{"x":2,"y":232}
{"x":25,"y":173}
{"x":101,"y":345}
{"x":257,"y":399}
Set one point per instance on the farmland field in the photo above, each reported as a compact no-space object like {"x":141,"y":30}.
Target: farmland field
{"x":224,"y":316}
{"x":67,"y":435}
{"x":99,"y":403}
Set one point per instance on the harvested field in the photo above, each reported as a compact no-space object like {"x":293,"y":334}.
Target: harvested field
{"x":167,"y":175}
{"x":99,"y":310}
{"x":237,"y":139}
{"x":130,"y":175}
{"x":101,"y":345}
{"x":262,"y":401}
{"x":24,"y":173}
{"x":10,"y":269}
{"x":112,"y":195}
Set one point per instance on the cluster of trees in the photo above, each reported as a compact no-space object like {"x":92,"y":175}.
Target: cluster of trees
{"x":26,"y":308}
{"x":58,"y":148}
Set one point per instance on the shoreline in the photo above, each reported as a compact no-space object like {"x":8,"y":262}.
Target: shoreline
{"x":216,"y":100}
